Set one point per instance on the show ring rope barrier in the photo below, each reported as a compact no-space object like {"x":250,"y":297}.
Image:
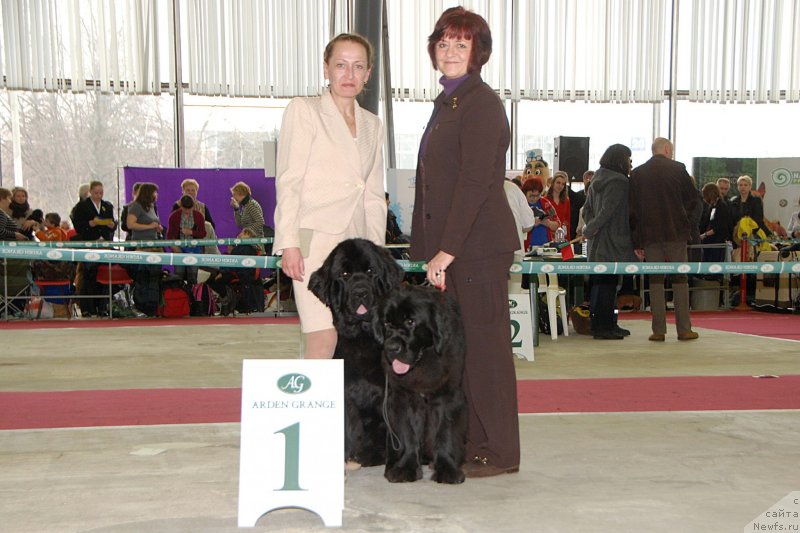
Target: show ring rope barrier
{"x":13,"y":250}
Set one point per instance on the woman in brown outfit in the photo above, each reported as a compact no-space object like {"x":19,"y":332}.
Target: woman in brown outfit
{"x":463,"y":227}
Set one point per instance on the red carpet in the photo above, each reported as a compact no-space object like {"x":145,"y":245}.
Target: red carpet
{"x":28,"y":410}
{"x":776,"y":325}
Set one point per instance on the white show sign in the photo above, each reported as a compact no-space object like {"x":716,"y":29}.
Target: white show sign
{"x":519,"y":307}
{"x":292,"y":438}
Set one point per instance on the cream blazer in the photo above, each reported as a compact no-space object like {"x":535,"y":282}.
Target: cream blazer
{"x":325,"y":178}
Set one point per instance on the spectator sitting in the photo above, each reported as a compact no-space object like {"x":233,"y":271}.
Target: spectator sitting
{"x":52,"y":229}
{"x":68,"y":229}
{"x":247,"y":211}
{"x":186,"y":222}
{"x":190,"y":187}
{"x":53,"y":270}
{"x":9,"y":230}
{"x":21,"y":211}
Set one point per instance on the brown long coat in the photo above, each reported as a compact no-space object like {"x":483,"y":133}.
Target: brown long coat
{"x":461,"y":209}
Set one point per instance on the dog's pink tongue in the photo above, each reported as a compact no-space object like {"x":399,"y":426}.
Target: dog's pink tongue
{"x":361,"y":310}
{"x":400,"y":367}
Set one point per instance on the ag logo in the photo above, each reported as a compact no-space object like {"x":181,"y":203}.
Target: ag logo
{"x":512,"y":304}
{"x":294,"y":383}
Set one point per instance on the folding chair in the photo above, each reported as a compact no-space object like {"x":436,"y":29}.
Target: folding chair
{"x":14,"y":286}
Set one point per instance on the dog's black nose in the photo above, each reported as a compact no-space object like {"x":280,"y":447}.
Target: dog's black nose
{"x":392,"y":346}
{"x":360,"y":292}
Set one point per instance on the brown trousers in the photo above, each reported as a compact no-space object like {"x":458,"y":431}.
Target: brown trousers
{"x":668,"y":252}
{"x":490,"y":381}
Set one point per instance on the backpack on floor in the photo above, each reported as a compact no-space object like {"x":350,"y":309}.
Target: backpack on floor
{"x":175,"y":301}
{"x":203,"y":302}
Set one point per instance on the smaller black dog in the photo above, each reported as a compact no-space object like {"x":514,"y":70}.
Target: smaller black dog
{"x":351,"y":282}
{"x":426,"y":409}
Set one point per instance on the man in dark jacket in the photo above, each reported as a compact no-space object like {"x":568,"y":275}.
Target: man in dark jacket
{"x":662,"y":196}
{"x":93,"y":219}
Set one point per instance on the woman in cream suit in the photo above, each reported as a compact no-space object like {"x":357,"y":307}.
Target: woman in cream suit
{"x":330,"y":181}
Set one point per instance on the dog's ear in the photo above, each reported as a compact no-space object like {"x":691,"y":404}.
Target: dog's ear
{"x":390,"y":274}
{"x":320,"y":283}
{"x":377,"y":321}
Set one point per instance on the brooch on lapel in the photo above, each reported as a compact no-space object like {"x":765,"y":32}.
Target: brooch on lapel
{"x":455,"y":102}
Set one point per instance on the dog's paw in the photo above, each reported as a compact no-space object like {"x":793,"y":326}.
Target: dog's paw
{"x":448,"y":474}
{"x":397,"y":474}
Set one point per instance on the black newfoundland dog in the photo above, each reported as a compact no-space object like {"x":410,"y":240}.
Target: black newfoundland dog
{"x":351,"y":282}
{"x":426,"y":409}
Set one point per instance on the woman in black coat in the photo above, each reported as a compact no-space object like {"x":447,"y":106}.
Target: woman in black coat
{"x":609,"y":234}
{"x":716,"y":224}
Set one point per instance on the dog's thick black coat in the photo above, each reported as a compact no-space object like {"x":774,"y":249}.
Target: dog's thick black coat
{"x":351,"y":282}
{"x":426,"y":409}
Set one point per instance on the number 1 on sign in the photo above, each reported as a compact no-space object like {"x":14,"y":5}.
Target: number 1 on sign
{"x":291,"y":463}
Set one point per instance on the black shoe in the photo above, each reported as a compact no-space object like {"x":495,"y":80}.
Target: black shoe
{"x":621,"y":331}
{"x":608,"y":334}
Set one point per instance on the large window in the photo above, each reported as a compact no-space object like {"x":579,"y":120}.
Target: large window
{"x":736,"y":130}
{"x":69,"y":139}
{"x":538,"y":123}
{"x":230,"y":132}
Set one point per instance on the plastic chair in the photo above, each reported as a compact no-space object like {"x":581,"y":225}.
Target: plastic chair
{"x":110,"y":276}
{"x":548,"y":285}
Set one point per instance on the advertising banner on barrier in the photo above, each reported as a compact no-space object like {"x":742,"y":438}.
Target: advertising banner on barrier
{"x":13,"y":251}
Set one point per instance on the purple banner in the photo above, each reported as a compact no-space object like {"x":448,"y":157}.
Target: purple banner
{"x":214,"y":191}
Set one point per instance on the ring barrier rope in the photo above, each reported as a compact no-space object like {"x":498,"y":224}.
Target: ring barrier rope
{"x":11,"y":250}
{"x":142,"y":244}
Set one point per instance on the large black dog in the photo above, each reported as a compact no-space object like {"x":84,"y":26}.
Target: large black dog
{"x":426,"y":409}
{"x":351,"y":282}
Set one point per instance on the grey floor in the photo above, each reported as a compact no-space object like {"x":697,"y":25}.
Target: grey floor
{"x":665,"y":471}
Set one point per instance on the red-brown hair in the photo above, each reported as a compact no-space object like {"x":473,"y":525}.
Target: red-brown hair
{"x":457,"y":22}
{"x":533,"y":184}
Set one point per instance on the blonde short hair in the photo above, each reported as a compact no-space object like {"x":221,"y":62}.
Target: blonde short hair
{"x":190,"y":181}
{"x":241,"y":188}
{"x":747,"y":179}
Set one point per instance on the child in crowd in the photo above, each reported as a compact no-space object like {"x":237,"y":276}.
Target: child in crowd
{"x":52,"y":229}
{"x":69,"y":230}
